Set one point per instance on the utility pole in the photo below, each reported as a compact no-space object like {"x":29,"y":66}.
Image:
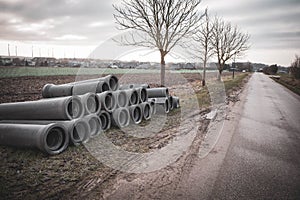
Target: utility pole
{"x":233,"y":67}
{"x":32,"y":51}
{"x":16,"y":49}
{"x":8,"y":50}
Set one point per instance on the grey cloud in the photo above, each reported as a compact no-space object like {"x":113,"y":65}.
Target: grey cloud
{"x":69,"y":19}
{"x":254,"y":7}
{"x":271,"y":23}
{"x":282,"y":40}
{"x":32,"y":10}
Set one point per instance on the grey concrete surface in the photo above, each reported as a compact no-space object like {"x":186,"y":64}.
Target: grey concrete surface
{"x":263,"y":159}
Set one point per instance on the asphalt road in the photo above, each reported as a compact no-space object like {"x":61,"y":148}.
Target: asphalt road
{"x":263,"y":159}
{"x":257,"y":155}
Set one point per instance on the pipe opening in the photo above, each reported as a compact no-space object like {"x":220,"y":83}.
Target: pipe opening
{"x":113,"y":83}
{"x":137,"y":114}
{"x":147,"y":109}
{"x":134,"y":98}
{"x":55,"y":139}
{"x":74,"y":109}
{"x":105,"y":87}
{"x":79,"y":132}
{"x":94,"y":126}
{"x":109,"y":102}
{"x":104,"y":121}
{"x":143,"y":95}
{"x":92,"y":104}
{"x":166,"y":105}
{"x":167,"y":92}
{"x":171,"y":103}
{"x":123,"y":118}
{"x":122,"y":99}
{"x":152,"y":104}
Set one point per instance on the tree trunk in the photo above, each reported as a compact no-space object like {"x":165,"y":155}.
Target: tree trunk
{"x":162,"y":67}
{"x":204,"y":73}
{"x":219,"y":75}
{"x":220,"y":68}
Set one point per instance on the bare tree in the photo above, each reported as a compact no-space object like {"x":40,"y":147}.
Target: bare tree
{"x":227,"y":41}
{"x":160,"y":24}
{"x":295,"y":67}
{"x":203,"y":38}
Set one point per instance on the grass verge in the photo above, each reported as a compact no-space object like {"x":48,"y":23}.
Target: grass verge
{"x":237,"y":82}
{"x":230,"y":85}
{"x":289,"y":82}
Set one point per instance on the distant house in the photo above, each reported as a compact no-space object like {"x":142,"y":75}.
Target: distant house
{"x":241,"y":67}
{"x":189,"y":66}
{"x":6,"y":61}
{"x":17,"y":61}
{"x":175,"y":66}
{"x":44,"y":61}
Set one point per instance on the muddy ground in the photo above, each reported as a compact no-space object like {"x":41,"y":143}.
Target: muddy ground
{"x":76,"y":173}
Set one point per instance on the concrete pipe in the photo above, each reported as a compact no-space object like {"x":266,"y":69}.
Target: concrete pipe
{"x":146,"y":110}
{"x":162,"y":105}
{"x":175,"y":102}
{"x":120,"y":117}
{"x":108,"y":101}
{"x":63,"y":108}
{"x":136,"y":113}
{"x":171,"y":102}
{"x":51,"y":90}
{"x":78,"y":129}
{"x":51,"y":139}
{"x":157,"y":92}
{"x":153,"y":107}
{"x":121,"y":98}
{"x":91,"y":103}
{"x":105,"y":120}
{"x":133,"y":86}
{"x":143,"y":95}
{"x":94,"y":124}
{"x":94,"y":87}
{"x":142,"y":92}
{"x":111,"y":80}
{"x":132,"y":96}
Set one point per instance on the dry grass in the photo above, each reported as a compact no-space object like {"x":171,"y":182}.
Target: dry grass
{"x":289,"y":82}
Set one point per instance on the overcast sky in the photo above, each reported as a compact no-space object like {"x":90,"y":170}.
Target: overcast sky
{"x":76,"y":27}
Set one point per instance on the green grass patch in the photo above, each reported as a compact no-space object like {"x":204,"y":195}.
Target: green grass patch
{"x":9,"y":72}
{"x":289,"y":82}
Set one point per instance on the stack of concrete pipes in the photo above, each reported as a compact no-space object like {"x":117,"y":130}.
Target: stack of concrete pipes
{"x":75,"y":112}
